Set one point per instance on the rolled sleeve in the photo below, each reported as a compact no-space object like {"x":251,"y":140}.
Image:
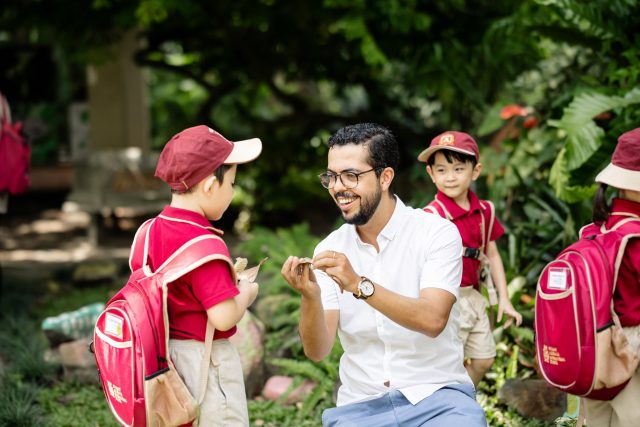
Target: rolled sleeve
{"x":443,"y":261}
{"x":328,"y":291}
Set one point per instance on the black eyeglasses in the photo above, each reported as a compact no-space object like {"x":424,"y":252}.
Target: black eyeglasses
{"x":348,"y":178}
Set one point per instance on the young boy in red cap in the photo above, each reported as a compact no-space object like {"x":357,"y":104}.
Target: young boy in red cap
{"x":453,"y":164}
{"x":199,"y":165}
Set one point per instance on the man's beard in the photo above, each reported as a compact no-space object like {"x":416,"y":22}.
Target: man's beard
{"x":368,"y":207}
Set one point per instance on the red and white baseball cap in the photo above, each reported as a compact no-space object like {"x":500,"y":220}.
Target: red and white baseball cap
{"x":454,"y":141}
{"x":624,"y":170}
{"x":196,"y":152}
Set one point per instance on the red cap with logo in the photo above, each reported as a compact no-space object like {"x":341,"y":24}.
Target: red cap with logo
{"x":454,"y":141}
{"x":196,"y":152}
{"x":624,"y":170}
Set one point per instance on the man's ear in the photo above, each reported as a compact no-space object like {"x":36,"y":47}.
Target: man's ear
{"x":387,"y":176}
{"x":476,"y":171}
{"x":208,"y":183}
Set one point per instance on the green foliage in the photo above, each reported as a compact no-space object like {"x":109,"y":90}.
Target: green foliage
{"x":68,"y":404}
{"x":309,"y":411}
{"x":17,"y":404}
{"x":583,"y":138}
{"x":23,"y":347}
{"x":277,"y":245}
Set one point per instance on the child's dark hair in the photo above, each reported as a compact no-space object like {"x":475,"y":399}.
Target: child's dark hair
{"x":452,"y":156}
{"x":218,"y":173}
{"x":600,"y":206}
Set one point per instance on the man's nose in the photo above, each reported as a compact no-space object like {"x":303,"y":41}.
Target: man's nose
{"x":339,"y":185}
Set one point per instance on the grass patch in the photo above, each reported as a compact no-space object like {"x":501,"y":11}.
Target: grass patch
{"x":69,"y":404}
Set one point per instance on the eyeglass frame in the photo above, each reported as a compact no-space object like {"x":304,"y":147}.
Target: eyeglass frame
{"x":339,"y":176}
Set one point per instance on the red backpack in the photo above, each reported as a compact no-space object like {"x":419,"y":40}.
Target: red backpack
{"x":580,"y":346}
{"x":131,"y":338}
{"x":15,"y":153}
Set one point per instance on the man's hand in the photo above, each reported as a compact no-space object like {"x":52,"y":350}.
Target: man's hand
{"x":338,"y":267}
{"x":298,"y":273}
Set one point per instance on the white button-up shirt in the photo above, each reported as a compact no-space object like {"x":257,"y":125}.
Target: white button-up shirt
{"x":417,"y":251}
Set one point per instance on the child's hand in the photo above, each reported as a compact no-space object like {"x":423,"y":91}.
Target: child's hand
{"x":505,"y":307}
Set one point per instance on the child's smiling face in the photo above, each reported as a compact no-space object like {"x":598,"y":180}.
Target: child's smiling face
{"x":453,"y":178}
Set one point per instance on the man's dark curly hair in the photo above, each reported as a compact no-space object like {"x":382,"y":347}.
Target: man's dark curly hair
{"x":383,"y":147}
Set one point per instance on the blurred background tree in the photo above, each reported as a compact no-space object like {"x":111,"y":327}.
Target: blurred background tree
{"x":293,"y":72}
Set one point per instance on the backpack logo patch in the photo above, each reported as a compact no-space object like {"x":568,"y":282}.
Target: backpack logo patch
{"x":551,"y":355}
{"x":116,"y":392}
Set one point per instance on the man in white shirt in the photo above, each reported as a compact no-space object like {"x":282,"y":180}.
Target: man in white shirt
{"x":386,"y":282}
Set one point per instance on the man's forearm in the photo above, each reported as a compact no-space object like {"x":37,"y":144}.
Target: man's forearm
{"x":313,"y":328}
{"x":426,"y":314}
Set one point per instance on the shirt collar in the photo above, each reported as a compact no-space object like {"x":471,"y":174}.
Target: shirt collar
{"x":395,"y":222}
{"x":184,"y":215}
{"x":454,"y":209}
{"x":624,"y":205}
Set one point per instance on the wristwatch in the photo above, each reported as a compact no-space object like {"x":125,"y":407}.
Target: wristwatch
{"x":366,"y":288}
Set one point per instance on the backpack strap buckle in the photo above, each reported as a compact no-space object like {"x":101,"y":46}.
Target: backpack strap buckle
{"x":473,"y":253}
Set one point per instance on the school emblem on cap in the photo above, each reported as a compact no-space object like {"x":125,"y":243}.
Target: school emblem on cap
{"x":446,"y":139}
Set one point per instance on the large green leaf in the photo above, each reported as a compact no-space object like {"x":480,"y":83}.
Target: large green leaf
{"x":583,"y":139}
{"x":583,"y":135}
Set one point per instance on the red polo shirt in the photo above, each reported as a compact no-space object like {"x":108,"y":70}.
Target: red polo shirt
{"x":469,"y":225}
{"x":191,"y":295}
{"x":626,"y":299}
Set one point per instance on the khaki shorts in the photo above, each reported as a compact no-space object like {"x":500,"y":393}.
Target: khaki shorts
{"x":623,"y":410}
{"x":475,"y":329}
{"x":225,"y":402}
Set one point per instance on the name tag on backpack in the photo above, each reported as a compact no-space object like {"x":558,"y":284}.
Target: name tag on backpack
{"x":113,"y":325}
{"x":557,"y":279}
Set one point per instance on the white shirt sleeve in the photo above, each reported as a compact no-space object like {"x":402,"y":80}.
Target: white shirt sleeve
{"x":328,"y":291}
{"x":443,"y":259}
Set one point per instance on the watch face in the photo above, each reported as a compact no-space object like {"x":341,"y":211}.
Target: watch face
{"x":366,"y":287}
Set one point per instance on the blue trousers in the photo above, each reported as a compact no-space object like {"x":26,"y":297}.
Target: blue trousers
{"x":454,"y":405}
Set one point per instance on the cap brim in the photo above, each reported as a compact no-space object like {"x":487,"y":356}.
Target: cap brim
{"x":244,"y":151}
{"x":424,"y":156}
{"x":618,"y":177}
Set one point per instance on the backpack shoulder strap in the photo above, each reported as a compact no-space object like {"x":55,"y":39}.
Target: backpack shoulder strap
{"x":487,"y":227}
{"x":5,"y":111}
{"x":193,"y":254}
{"x":188,"y":257}
{"x":629,"y":228}
{"x":438,"y":208}
{"x":139,"y":247}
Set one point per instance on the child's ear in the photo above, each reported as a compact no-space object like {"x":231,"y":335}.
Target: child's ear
{"x":208,"y":183}
{"x":430,"y":173}
{"x":476,"y":171}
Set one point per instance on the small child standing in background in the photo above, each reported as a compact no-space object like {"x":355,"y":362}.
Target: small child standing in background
{"x":453,"y":164}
